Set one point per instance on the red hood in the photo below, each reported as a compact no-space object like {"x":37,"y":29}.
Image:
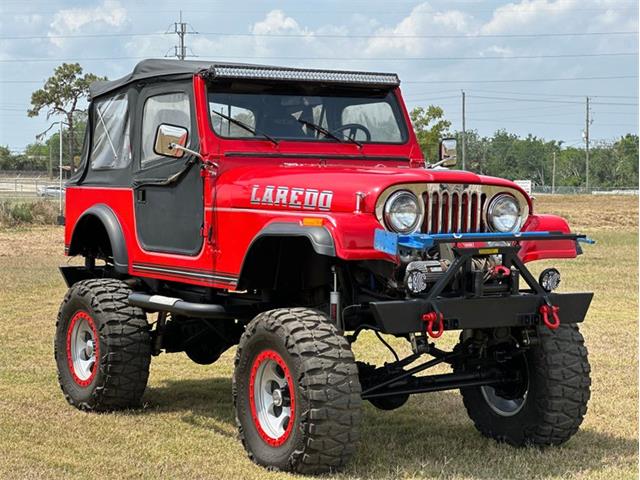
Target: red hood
{"x":235,"y":185}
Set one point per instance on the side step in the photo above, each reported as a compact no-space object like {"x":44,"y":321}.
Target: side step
{"x":160,"y":303}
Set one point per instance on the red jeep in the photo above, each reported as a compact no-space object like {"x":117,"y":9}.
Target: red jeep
{"x":286,"y":211}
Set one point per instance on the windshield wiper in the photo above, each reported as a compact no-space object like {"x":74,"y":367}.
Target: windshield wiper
{"x":327,"y":133}
{"x":246,"y":127}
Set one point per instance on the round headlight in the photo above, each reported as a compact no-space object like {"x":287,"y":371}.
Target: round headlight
{"x":503,"y":213}
{"x":402,"y":212}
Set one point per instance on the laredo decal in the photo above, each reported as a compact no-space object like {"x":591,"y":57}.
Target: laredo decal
{"x":305,"y":198}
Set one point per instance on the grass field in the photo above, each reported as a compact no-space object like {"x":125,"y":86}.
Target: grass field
{"x":186,"y":429}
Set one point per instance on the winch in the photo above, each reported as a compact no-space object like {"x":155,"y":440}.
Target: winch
{"x":420,"y":274}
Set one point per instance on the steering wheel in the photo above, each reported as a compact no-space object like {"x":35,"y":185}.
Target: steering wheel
{"x":352,"y":129}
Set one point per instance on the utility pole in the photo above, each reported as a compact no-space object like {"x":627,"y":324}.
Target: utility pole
{"x":464,"y":133}
{"x":553,"y":175}
{"x":586,"y":139}
{"x":180,"y":29}
{"x":60,"y":168}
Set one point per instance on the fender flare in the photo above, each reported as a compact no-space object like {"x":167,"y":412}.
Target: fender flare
{"x":114,"y":231}
{"x":319,"y":237}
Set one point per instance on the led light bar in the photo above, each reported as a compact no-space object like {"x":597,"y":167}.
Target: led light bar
{"x":301,"y":75}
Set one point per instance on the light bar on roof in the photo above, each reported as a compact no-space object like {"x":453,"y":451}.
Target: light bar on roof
{"x":302,"y":75}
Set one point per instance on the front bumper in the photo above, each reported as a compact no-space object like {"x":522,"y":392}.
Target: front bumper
{"x":400,"y":317}
{"x":462,"y":299}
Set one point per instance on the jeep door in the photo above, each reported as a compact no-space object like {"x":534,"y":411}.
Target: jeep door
{"x":168,"y":190}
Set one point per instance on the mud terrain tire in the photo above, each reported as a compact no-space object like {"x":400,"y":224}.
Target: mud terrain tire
{"x":556,"y":399}
{"x":315,"y":373}
{"x":102,"y":347}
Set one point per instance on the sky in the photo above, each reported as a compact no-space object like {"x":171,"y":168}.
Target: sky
{"x":525,"y":66}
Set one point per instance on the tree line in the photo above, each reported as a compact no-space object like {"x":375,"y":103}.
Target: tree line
{"x":612,"y":163}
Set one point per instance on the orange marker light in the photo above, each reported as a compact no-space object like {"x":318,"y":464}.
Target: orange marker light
{"x":312,"y":222}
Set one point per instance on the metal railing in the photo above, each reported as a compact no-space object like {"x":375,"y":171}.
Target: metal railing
{"x":20,"y":187}
{"x":565,"y":190}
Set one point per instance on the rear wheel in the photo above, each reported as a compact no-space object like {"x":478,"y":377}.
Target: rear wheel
{"x":102,"y":346}
{"x":296,"y":392}
{"x":547,"y":404}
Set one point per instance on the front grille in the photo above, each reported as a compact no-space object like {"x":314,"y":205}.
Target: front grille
{"x":453,"y":208}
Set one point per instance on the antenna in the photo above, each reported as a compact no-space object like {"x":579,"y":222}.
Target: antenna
{"x":182,"y":29}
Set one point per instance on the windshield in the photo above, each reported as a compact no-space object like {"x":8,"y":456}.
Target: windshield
{"x":313,"y":113}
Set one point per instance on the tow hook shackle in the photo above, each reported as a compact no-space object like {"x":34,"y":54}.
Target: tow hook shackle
{"x":550,"y":316}
{"x":431,"y":319}
{"x":500,"y":271}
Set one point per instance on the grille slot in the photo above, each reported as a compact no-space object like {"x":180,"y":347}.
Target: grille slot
{"x":453,"y":209}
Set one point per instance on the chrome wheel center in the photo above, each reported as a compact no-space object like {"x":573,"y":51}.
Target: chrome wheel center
{"x":82,"y":347}
{"x":88,"y":349}
{"x":277,"y":398}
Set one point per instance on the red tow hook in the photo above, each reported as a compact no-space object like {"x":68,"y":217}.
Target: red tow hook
{"x":431,"y":318}
{"x":500,"y":271}
{"x":545,"y":310}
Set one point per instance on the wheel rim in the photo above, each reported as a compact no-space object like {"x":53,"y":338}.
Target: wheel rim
{"x":82,"y":348}
{"x":514,"y":403}
{"x":505,"y":407}
{"x":272,"y":398}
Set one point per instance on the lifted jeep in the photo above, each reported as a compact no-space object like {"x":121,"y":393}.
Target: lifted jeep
{"x":286,"y":211}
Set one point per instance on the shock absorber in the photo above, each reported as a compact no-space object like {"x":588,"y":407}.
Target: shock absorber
{"x":335,"y":307}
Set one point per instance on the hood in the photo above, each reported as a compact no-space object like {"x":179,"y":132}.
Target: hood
{"x":286,"y":185}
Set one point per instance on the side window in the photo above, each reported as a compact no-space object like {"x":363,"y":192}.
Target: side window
{"x":172,"y":109}
{"x":111,"y":145}
{"x":377,"y":117}
{"x":225,"y":128}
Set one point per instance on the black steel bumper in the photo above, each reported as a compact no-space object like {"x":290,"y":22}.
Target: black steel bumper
{"x":405,"y":316}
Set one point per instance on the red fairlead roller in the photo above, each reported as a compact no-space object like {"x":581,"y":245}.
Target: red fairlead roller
{"x":550,"y":316}
{"x":432,"y":318}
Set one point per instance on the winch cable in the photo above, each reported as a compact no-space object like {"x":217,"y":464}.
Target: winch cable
{"x":384,"y":342}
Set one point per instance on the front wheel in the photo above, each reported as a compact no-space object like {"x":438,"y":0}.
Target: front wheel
{"x":548,"y":404}
{"x":296,"y":392}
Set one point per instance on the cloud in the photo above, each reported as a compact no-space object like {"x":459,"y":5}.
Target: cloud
{"x":423,"y":20}
{"x":74,"y":20}
{"x":277,"y":22}
{"x":538,"y":15}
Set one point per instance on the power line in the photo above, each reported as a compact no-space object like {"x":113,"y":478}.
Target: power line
{"x":539,"y":100}
{"x":181,"y":47}
{"x":328,"y":35}
{"x":561,"y":79}
{"x":497,"y":120}
{"x":395,"y":11}
{"x":502,"y":92}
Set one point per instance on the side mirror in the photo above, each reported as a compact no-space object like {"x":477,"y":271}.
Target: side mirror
{"x":448,"y":152}
{"x":168,"y":137}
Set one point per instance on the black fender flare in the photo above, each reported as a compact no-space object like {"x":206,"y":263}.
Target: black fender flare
{"x":319,"y":237}
{"x":114,"y":230}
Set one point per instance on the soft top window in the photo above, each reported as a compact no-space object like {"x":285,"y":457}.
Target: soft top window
{"x":306,"y":113}
{"x":110,"y":142}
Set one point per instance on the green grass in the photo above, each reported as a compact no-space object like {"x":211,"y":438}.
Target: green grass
{"x":186,"y":429}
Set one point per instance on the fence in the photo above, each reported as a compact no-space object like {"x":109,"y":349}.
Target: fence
{"x":564,"y":190}
{"x":19,"y":187}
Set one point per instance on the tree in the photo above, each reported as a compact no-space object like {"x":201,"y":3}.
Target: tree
{"x":62,"y":95}
{"x":430,"y":127}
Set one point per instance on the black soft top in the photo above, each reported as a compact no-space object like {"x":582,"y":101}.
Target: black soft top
{"x":152,"y":68}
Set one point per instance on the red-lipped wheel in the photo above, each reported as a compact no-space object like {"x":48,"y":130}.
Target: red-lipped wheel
{"x":83,"y":348}
{"x":272,"y":398}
